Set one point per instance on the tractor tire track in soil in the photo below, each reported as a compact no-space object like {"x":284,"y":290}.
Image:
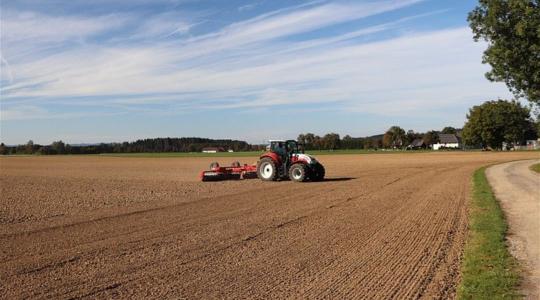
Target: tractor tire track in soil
{"x":393,"y":226}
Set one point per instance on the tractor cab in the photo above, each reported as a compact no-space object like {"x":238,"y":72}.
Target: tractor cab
{"x":285,"y":148}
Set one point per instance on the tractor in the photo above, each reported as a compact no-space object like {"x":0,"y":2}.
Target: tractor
{"x":284,"y":159}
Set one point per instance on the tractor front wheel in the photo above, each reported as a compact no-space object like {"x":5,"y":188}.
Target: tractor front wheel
{"x":317,"y":172}
{"x":266,"y":169}
{"x":298,"y":173}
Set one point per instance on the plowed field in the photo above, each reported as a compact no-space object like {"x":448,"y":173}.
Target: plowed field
{"x":381,"y":226}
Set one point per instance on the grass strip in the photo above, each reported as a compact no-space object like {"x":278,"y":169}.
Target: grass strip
{"x":488,"y":270}
{"x":535,"y":168}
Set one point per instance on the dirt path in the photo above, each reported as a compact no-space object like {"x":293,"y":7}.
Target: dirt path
{"x":518,"y":189}
{"x":382,"y":226}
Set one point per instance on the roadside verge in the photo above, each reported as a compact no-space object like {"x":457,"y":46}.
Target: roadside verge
{"x":488,"y":270}
{"x":535,"y":168}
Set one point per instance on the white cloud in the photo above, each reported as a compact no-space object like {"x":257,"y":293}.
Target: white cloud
{"x":162,"y":26}
{"x":271,"y":26}
{"x":18,"y":27}
{"x":249,"y":6}
{"x":248,"y":65}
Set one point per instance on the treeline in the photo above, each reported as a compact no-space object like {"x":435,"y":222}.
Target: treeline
{"x":395,"y":138}
{"x":512,"y":126}
{"x":333,"y":141}
{"x":139,"y":146}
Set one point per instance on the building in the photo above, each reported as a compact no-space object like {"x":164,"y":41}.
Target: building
{"x":417,"y":144}
{"x":213,"y":150}
{"x":447,"y":141}
{"x":529,"y":145}
{"x":533,"y":144}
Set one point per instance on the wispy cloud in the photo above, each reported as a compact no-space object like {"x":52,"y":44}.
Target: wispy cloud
{"x":35,"y":28}
{"x":251,"y":64}
{"x":249,"y":6}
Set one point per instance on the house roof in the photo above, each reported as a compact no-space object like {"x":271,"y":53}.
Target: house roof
{"x":417,"y":143}
{"x":448,"y":138}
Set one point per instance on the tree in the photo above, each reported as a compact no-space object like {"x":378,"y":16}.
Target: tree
{"x":430,"y":138}
{"x":59,"y":147}
{"x":3,"y":149}
{"x":388,"y":139}
{"x":331,"y":141}
{"x":368,"y":143}
{"x":301,"y":139}
{"x":29,"y":149}
{"x":411,"y":136}
{"x":511,"y":28}
{"x":309,"y":141}
{"x":496,"y":122}
{"x":449,"y":130}
{"x":318,"y":143}
{"x":347,"y":142}
{"x":394,"y":137}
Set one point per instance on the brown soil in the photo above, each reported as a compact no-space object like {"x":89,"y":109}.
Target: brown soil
{"x":382,"y":226}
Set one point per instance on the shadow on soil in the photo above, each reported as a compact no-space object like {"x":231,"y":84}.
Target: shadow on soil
{"x":339,"y":179}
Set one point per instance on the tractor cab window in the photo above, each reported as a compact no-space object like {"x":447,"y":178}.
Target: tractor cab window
{"x":278,"y":147}
{"x":292,"y":147}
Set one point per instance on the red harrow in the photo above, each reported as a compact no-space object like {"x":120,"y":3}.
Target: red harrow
{"x":235,"y":171}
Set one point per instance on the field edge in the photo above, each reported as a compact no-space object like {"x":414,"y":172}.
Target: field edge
{"x":488,"y":270}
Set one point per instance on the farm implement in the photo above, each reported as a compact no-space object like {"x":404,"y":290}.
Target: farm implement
{"x":283,"y":160}
{"x":235,"y":171}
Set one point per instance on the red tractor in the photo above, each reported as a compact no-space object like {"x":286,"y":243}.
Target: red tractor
{"x":283,"y":160}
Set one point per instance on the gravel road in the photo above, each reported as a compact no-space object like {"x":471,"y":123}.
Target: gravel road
{"x":518,"y":190}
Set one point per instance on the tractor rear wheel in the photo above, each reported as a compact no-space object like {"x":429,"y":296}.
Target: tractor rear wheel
{"x":298,"y":172}
{"x":267,"y":170}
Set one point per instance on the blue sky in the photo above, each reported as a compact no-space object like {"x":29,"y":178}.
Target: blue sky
{"x":119,"y":70}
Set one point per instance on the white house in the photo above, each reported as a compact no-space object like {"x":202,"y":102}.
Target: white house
{"x":447,"y":141}
{"x":212,"y":150}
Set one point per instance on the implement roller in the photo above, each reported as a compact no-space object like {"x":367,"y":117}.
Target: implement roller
{"x":235,"y":171}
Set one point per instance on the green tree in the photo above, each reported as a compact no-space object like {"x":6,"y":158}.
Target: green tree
{"x":331,"y":141}
{"x":394,"y":137}
{"x":309,"y":141}
{"x":3,"y":149}
{"x":347,"y":142}
{"x":301,"y":139}
{"x":411,"y":136}
{"x":59,"y":147}
{"x":512,"y":29}
{"x":318,"y":143}
{"x":29,"y":148}
{"x":449,"y":129}
{"x":430,"y":138}
{"x":496,"y":122}
{"x":368,"y":143}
